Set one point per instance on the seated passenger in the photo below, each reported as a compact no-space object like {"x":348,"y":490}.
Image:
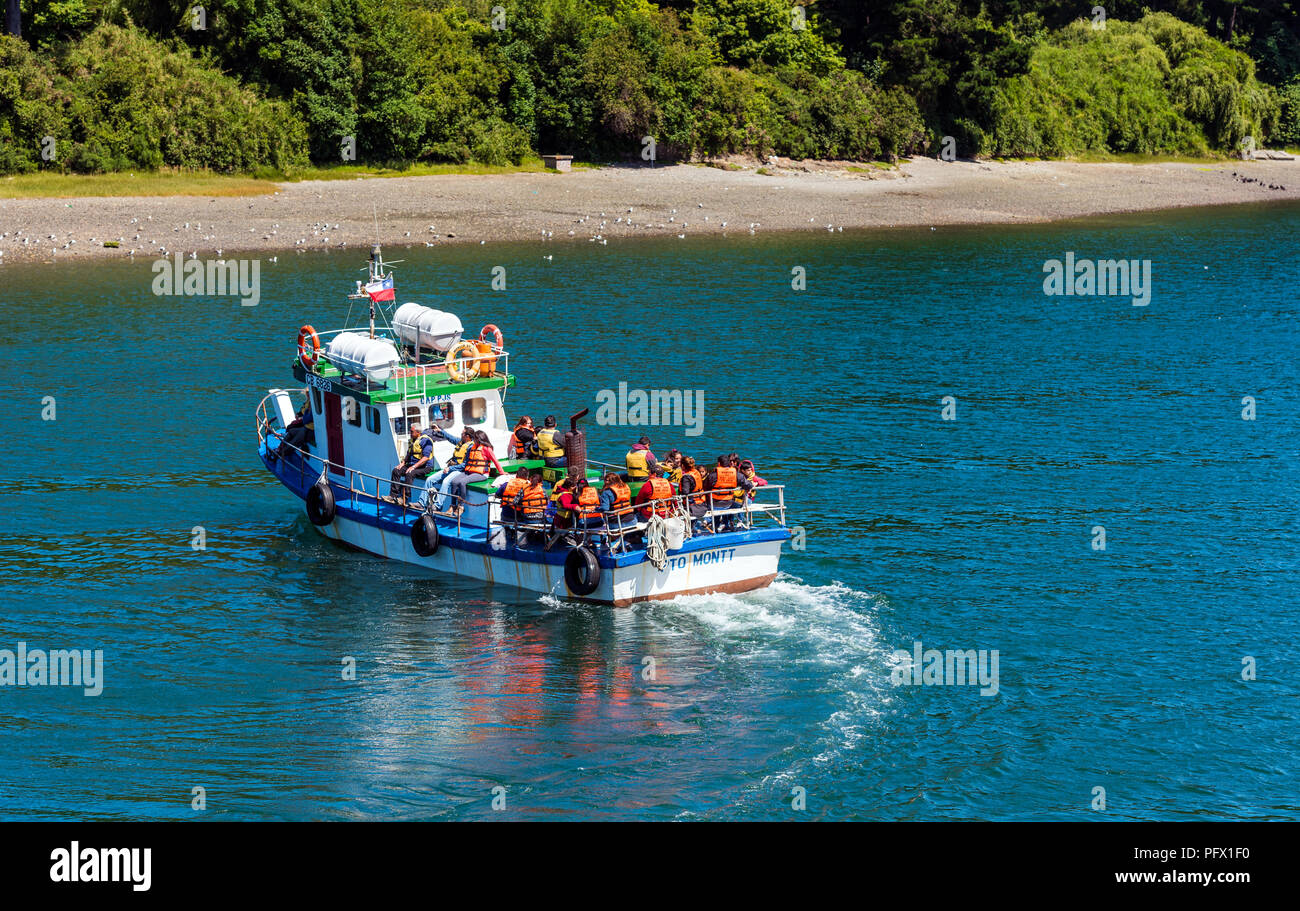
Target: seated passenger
{"x":723,"y":482}
{"x":417,"y":465}
{"x":747,"y":473}
{"x":455,"y":463}
{"x":520,"y":439}
{"x":639,"y":460}
{"x":693,"y":483}
{"x":584,"y":503}
{"x":508,"y":492}
{"x":530,"y":503}
{"x":616,"y":501}
{"x":656,"y":491}
{"x":672,"y":464}
{"x":561,"y":515}
{"x":456,"y":485}
{"x":545,"y":447}
{"x":300,"y":433}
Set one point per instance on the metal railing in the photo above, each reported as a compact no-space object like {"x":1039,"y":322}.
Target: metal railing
{"x":353,"y":476}
{"x":610,"y":529}
{"x":614,"y":531}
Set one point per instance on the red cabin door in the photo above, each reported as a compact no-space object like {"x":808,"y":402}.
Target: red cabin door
{"x":334,"y":432}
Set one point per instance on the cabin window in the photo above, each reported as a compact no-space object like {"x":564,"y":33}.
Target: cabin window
{"x":442,"y":415}
{"x":373,"y":422}
{"x":473,"y":411}
{"x":412,"y":416}
{"x":315,"y":397}
{"x":352,"y":412}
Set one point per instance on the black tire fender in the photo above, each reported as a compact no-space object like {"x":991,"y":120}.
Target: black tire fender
{"x":320,"y":504}
{"x":581,"y":571}
{"x":424,"y":536}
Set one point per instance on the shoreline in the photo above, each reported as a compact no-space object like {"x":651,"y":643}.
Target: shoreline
{"x":593,"y":205}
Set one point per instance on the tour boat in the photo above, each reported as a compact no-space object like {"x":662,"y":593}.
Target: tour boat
{"x":366,"y":385}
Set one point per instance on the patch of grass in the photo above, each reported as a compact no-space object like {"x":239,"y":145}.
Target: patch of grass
{"x":1140,"y":158}
{"x":529,"y":165}
{"x":131,"y":183}
{"x":765,"y":172}
{"x":261,"y":182}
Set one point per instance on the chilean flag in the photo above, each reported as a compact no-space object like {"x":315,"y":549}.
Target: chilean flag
{"x":381,"y":290}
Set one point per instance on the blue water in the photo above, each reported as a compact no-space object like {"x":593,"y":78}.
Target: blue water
{"x":1119,"y":669}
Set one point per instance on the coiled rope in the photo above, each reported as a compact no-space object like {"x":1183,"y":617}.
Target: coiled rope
{"x":656,"y":540}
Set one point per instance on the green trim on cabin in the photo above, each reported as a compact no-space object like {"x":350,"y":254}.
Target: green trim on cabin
{"x":400,"y":390}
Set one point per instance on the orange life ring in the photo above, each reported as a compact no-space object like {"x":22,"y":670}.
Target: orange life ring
{"x":497,"y":337}
{"x":308,"y":359}
{"x":462,"y":368}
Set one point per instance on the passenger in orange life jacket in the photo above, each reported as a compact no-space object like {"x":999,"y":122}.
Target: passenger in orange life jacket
{"x":692,"y":482}
{"x":616,"y":501}
{"x":456,"y":484}
{"x":584,"y":503}
{"x":530,"y":503}
{"x":655,"y":489}
{"x":509,"y":491}
{"x":520,"y":439}
{"x":723,"y":482}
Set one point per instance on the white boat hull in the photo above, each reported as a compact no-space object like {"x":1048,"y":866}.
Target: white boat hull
{"x":728,"y":567}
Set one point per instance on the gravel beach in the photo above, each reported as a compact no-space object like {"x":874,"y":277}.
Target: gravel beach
{"x":614,"y":203}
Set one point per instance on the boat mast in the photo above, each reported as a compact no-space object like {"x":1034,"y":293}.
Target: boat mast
{"x":376,"y":273}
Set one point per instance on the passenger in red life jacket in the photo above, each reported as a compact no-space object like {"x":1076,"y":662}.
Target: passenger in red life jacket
{"x":656,"y":489}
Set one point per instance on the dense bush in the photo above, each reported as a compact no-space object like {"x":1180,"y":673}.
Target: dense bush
{"x":1153,"y":86}
{"x":116,"y":100}
{"x":1288,"y":128}
{"x":129,"y":83}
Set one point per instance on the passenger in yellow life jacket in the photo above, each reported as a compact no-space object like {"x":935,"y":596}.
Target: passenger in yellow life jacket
{"x":672,"y":464}
{"x":658,"y":490}
{"x":748,"y":473}
{"x":640,"y":460}
{"x":545,"y":446}
{"x":558,"y":491}
{"x":417,"y":466}
{"x":508,"y":491}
